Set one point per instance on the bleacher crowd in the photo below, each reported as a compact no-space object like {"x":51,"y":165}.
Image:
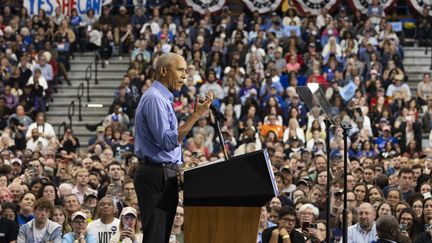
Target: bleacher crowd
{"x":55,"y":188}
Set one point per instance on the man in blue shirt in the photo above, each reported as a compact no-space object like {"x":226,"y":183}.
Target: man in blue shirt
{"x":157,"y":145}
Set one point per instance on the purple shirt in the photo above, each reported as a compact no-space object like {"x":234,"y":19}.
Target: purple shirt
{"x":156,"y":135}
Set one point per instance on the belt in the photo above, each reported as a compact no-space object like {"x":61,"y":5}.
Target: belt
{"x":168,"y":165}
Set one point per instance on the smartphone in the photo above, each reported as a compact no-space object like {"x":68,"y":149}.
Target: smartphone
{"x":305,"y":226}
{"x":126,"y":226}
{"x":313,"y":226}
{"x":89,"y":28}
{"x":402,"y":227}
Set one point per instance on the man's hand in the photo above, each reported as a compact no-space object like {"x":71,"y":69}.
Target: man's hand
{"x":201,"y":108}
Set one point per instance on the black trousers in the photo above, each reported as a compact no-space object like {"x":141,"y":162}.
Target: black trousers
{"x":157,"y":192}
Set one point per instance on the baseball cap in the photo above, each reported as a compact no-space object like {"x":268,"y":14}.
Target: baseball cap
{"x":129,"y":210}
{"x":286,"y":169}
{"x":303,"y":181}
{"x":79,"y":214}
{"x":89,"y":194}
{"x":122,"y":8}
{"x":373,"y":71}
{"x":100,"y":129}
{"x":16,"y":160}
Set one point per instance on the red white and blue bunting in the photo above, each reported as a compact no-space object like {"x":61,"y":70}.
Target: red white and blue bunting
{"x":202,"y":6}
{"x":418,"y":5}
{"x":314,"y":6}
{"x":362,"y":5}
{"x":262,"y":6}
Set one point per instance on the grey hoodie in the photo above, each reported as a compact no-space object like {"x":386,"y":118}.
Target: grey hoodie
{"x":53,"y":232}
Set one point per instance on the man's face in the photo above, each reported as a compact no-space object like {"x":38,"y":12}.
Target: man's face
{"x":42,"y":214}
{"x":287,"y":222}
{"x":405,"y":181}
{"x":35,"y":134}
{"x":115,"y":172}
{"x":82,"y":179}
{"x":71,"y":204}
{"x":16,"y":191}
{"x":351,"y":199}
{"x":106,"y":207}
{"x":279,"y":183}
{"x":368,"y":175}
{"x":366,"y":215}
{"x":417,"y":173}
{"x":87,"y":163}
{"x":176,"y":74}
{"x":320,"y":164}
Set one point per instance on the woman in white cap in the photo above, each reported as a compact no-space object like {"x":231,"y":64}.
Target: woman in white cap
{"x":79,"y":232}
{"x":129,"y":230}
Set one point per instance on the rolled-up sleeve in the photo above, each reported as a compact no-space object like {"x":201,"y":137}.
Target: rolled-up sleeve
{"x":160,"y":120}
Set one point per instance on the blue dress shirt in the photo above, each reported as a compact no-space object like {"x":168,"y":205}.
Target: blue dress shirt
{"x":156,"y":135}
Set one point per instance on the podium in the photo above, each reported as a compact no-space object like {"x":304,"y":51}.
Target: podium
{"x":223,"y":199}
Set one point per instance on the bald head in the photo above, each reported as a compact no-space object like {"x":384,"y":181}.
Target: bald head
{"x":388,"y":228}
{"x":171,"y":71}
{"x":166,"y":60}
{"x":366,"y":213}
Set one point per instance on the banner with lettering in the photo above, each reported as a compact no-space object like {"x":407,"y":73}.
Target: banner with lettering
{"x":82,"y":6}
{"x":262,"y":6}
{"x":314,"y":7}
{"x":362,"y":5}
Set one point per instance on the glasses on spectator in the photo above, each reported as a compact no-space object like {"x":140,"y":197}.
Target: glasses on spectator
{"x":427,"y":206}
{"x":82,"y":221}
{"x":288,"y":219}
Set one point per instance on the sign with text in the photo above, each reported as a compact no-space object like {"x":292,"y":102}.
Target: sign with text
{"x":66,"y":6}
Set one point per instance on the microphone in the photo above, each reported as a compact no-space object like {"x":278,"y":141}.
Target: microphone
{"x":216,"y":112}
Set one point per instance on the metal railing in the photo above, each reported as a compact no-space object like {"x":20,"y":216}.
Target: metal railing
{"x":71,"y":112}
{"x":80,"y":93}
{"x":96,"y":61}
{"x":60,"y":134}
{"x":88,"y":76}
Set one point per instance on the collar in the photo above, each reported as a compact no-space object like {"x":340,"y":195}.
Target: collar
{"x":364,"y":231}
{"x":164,"y":90}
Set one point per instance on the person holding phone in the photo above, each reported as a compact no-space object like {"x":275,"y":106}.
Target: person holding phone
{"x":129,"y":230}
{"x":285,"y":231}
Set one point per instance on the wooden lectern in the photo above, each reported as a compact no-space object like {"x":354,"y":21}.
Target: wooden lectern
{"x":223,"y":199}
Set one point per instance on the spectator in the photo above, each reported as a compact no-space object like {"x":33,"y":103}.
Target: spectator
{"x":79,"y":230}
{"x":8,"y":228}
{"x":40,"y":228}
{"x":129,"y":227}
{"x":366,"y":224}
{"x":285,"y":230}
{"x":107,"y":225}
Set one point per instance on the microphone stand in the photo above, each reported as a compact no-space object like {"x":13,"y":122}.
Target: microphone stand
{"x":221,"y":138}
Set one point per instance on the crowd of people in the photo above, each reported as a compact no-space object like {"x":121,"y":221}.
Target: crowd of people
{"x":55,"y":188}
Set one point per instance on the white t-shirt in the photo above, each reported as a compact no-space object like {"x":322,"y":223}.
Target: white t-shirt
{"x":39,"y":234}
{"x":103,"y":232}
